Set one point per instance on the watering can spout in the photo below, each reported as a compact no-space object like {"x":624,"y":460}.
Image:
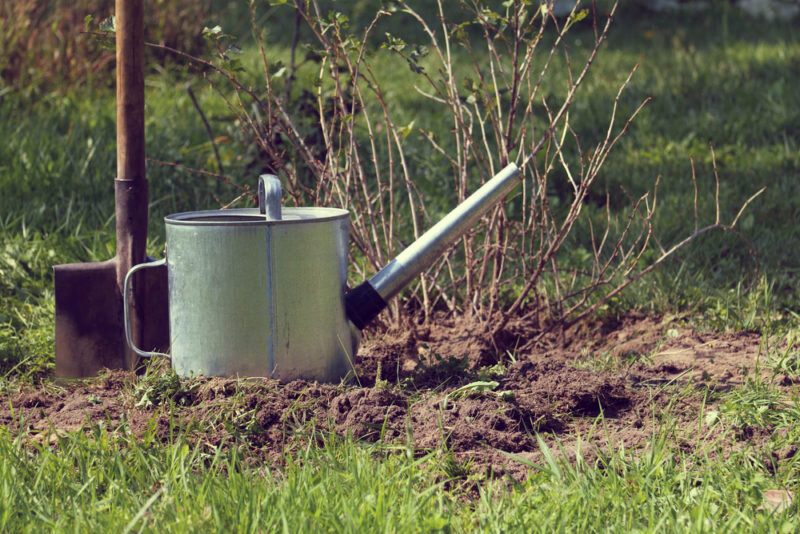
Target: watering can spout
{"x":364,"y":302}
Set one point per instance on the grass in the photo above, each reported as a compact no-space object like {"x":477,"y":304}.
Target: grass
{"x":685,"y":479}
{"x":732,"y":85}
{"x":108,"y":481}
{"x":106,"y":478}
{"x":652,"y":492}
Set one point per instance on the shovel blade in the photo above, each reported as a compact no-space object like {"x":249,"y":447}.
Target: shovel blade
{"x":90,"y":332}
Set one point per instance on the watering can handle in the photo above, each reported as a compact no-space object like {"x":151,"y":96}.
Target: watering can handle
{"x":125,"y":307}
{"x":269,"y":196}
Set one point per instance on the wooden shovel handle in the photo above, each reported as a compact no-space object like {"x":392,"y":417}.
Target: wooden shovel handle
{"x":130,"y":90}
{"x":131,"y":182}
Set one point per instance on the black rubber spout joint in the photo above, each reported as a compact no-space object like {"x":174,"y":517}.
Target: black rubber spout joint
{"x":362,"y":304}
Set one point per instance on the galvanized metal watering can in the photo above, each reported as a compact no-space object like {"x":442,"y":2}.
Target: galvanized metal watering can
{"x":263,"y":292}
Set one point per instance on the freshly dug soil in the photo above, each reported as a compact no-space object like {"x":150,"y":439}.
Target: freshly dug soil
{"x":446,"y":388}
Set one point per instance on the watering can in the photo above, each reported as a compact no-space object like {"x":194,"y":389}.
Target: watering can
{"x":263,"y":291}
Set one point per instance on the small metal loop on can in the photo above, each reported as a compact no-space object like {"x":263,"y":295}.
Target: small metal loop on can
{"x":269,"y":196}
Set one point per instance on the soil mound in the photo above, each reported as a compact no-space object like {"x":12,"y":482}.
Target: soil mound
{"x":447,"y":389}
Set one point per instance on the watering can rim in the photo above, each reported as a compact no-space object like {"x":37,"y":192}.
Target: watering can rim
{"x":253,"y":217}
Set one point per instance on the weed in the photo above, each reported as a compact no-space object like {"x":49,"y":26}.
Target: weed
{"x":454,"y":469}
{"x":473,"y":389}
{"x":440,"y":368}
{"x":381,"y":383}
{"x":160,"y":384}
{"x":241,"y":422}
{"x":610,"y":360}
{"x":298,"y":418}
{"x":785,"y":359}
{"x":489,"y":373}
{"x":760,"y":406}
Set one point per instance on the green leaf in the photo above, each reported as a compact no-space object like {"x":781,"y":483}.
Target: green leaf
{"x":506,"y":395}
{"x":712,"y":416}
{"x":109,"y":24}
{"x":393,"y":43}
{"x":233,"y":49}
{"x":459,"y":31}
{"x":392,"y":6}
{"x":404,"y":131}
{"x":419,"y":52}
{"x":579,"y":16}
{"x":340,"y":19}
{"x":87,"y":20}
{"x":491,"y":15}
{"x":216,"y":30}
{"x":234,"y":65}
{"x":472,"y":86}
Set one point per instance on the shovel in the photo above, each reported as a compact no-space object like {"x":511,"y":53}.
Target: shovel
{"x":90,"y":332}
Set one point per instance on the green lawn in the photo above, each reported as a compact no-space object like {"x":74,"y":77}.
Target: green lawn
{"x":117,"y":483}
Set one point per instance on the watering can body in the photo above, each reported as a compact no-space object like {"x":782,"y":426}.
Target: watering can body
{"x":250,"y":296}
